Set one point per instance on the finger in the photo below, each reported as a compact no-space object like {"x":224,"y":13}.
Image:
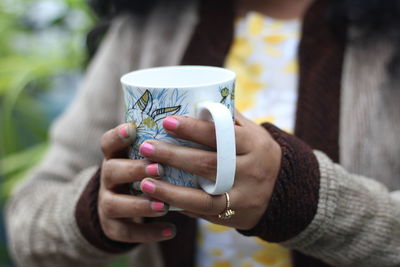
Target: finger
{"x":184,"y":127}
{"x":203,"y":132}
{"x":130,"y":232}
{"x":115,"y":142}
{"x":248,"y":134}
{"x":192,"y":160}
{"x":126,"y":206}
{"x":239,"y":118}
{"x":189,"y":199}
{"x":190,"y":214}
{"x":123,"y":171}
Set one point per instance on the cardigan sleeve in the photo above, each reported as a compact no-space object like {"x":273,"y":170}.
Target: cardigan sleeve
{"x":320,"y":209}
{"x":41,"y":224}
{"x":357,"y":222}
{"x":294,"y":200}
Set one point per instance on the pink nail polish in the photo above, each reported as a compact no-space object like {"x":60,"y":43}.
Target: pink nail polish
{"x":157,"y":205}
{"x":127,"y":132}
{"x":123,"y":131}
{"x":146,"y":149}
{"x":170,"y":123}
{"x":167,"y":232}
{"x":148,"y":187}
{"x":152,"y":170}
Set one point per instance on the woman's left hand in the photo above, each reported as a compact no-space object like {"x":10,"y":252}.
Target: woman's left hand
{"x":257,"y":166}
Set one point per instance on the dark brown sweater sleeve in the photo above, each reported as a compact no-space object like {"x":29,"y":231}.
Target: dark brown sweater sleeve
{"x":294,"y":200}
{"x":88,"y":221}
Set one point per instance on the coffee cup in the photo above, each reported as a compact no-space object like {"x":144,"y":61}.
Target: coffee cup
{"x":202,"y":92}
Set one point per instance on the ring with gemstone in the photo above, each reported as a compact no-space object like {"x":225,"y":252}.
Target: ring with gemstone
{"x":228,"y":212}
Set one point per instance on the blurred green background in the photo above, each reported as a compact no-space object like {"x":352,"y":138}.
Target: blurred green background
{"x":42,"y":57}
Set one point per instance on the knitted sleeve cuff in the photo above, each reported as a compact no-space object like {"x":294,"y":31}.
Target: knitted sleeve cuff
{"x":88,"y":221}
{"x":294,"y":200}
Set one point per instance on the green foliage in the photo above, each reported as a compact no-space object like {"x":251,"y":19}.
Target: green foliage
{"x":16,"y":165}
{"x":121,"y":261}
{"x":32,"y":53}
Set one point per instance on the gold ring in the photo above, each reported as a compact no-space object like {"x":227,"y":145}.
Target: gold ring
{"x":228,"y":212}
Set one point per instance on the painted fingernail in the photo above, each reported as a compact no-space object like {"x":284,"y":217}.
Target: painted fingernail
{"x":127,"y":131}
{"x":154,"y":169}
{"x":157,"y":205}
{"x":167,"y":232}
{"x":148,"y":187}
{"x":146,"y":149}
{"x":170,"y":123}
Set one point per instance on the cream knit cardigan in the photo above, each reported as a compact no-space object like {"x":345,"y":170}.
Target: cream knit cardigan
{"x":358,"y":218}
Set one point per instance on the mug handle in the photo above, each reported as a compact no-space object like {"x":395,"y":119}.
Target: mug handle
{"x":226,"y":148}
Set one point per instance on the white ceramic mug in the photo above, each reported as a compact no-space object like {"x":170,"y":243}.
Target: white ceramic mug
{"x":198,"y":91}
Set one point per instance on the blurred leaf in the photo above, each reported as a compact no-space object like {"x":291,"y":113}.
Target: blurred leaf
{"x":18,"y":161}
{"x":14,"y":166}
{"x":31,"y":55}
{"x":122,"y":261}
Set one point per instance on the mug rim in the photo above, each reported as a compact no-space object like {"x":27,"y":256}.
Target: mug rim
{"x":126,"y":79}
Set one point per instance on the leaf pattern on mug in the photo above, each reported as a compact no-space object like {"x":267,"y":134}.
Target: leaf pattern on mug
{"x":148,"y":117}
{"x":148,"y":107}
{"x":225,"y":93}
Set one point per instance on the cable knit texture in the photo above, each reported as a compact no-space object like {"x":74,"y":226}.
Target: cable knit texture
{"x":41,"y":225}
{"x":294,"y":200}
{"x":357,"y":222}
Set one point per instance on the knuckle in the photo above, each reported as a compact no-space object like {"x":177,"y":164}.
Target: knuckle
{"x":256,"y":176}
{"x":208,"y":164}
{"x":165,"y":196}
{"x":126,"y":234}
{"x":133,"y":168}
{"x":195,"y":124}
{"x":136,"y":208}
{"x":106,"y":173}
{"x":206,"y":204}
{"x":107,"y":204}
{"x":108,"y":230}
{"x":112,"y":233}
{"x":167,"y":155}
{"x":185,"y":125}
{"x":104,"y":141}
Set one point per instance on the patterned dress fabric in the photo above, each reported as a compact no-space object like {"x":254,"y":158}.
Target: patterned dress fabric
{"x":264,"y":57}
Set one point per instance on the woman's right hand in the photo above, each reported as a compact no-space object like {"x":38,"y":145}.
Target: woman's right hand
{"x":120,"y":212}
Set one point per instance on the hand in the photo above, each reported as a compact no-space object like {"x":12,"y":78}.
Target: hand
{"x":258,"y":162}
{"x":120,"y":212}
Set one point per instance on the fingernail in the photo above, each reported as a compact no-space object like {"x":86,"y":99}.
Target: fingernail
{"x":170,"y":123}
{"x":127,"y":131}
{"x":154,"y":169}
{"x":146,"y":149}
{"x":167,"y":232}
{"x":157,"y":205}
{"x":136,"y":186}
{"x":148,"y":187}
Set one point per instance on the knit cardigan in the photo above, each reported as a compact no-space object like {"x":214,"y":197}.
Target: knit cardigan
{"x":329,"y":211}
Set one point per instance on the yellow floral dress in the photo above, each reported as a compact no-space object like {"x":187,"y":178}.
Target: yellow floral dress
{"x":264,"y":57}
